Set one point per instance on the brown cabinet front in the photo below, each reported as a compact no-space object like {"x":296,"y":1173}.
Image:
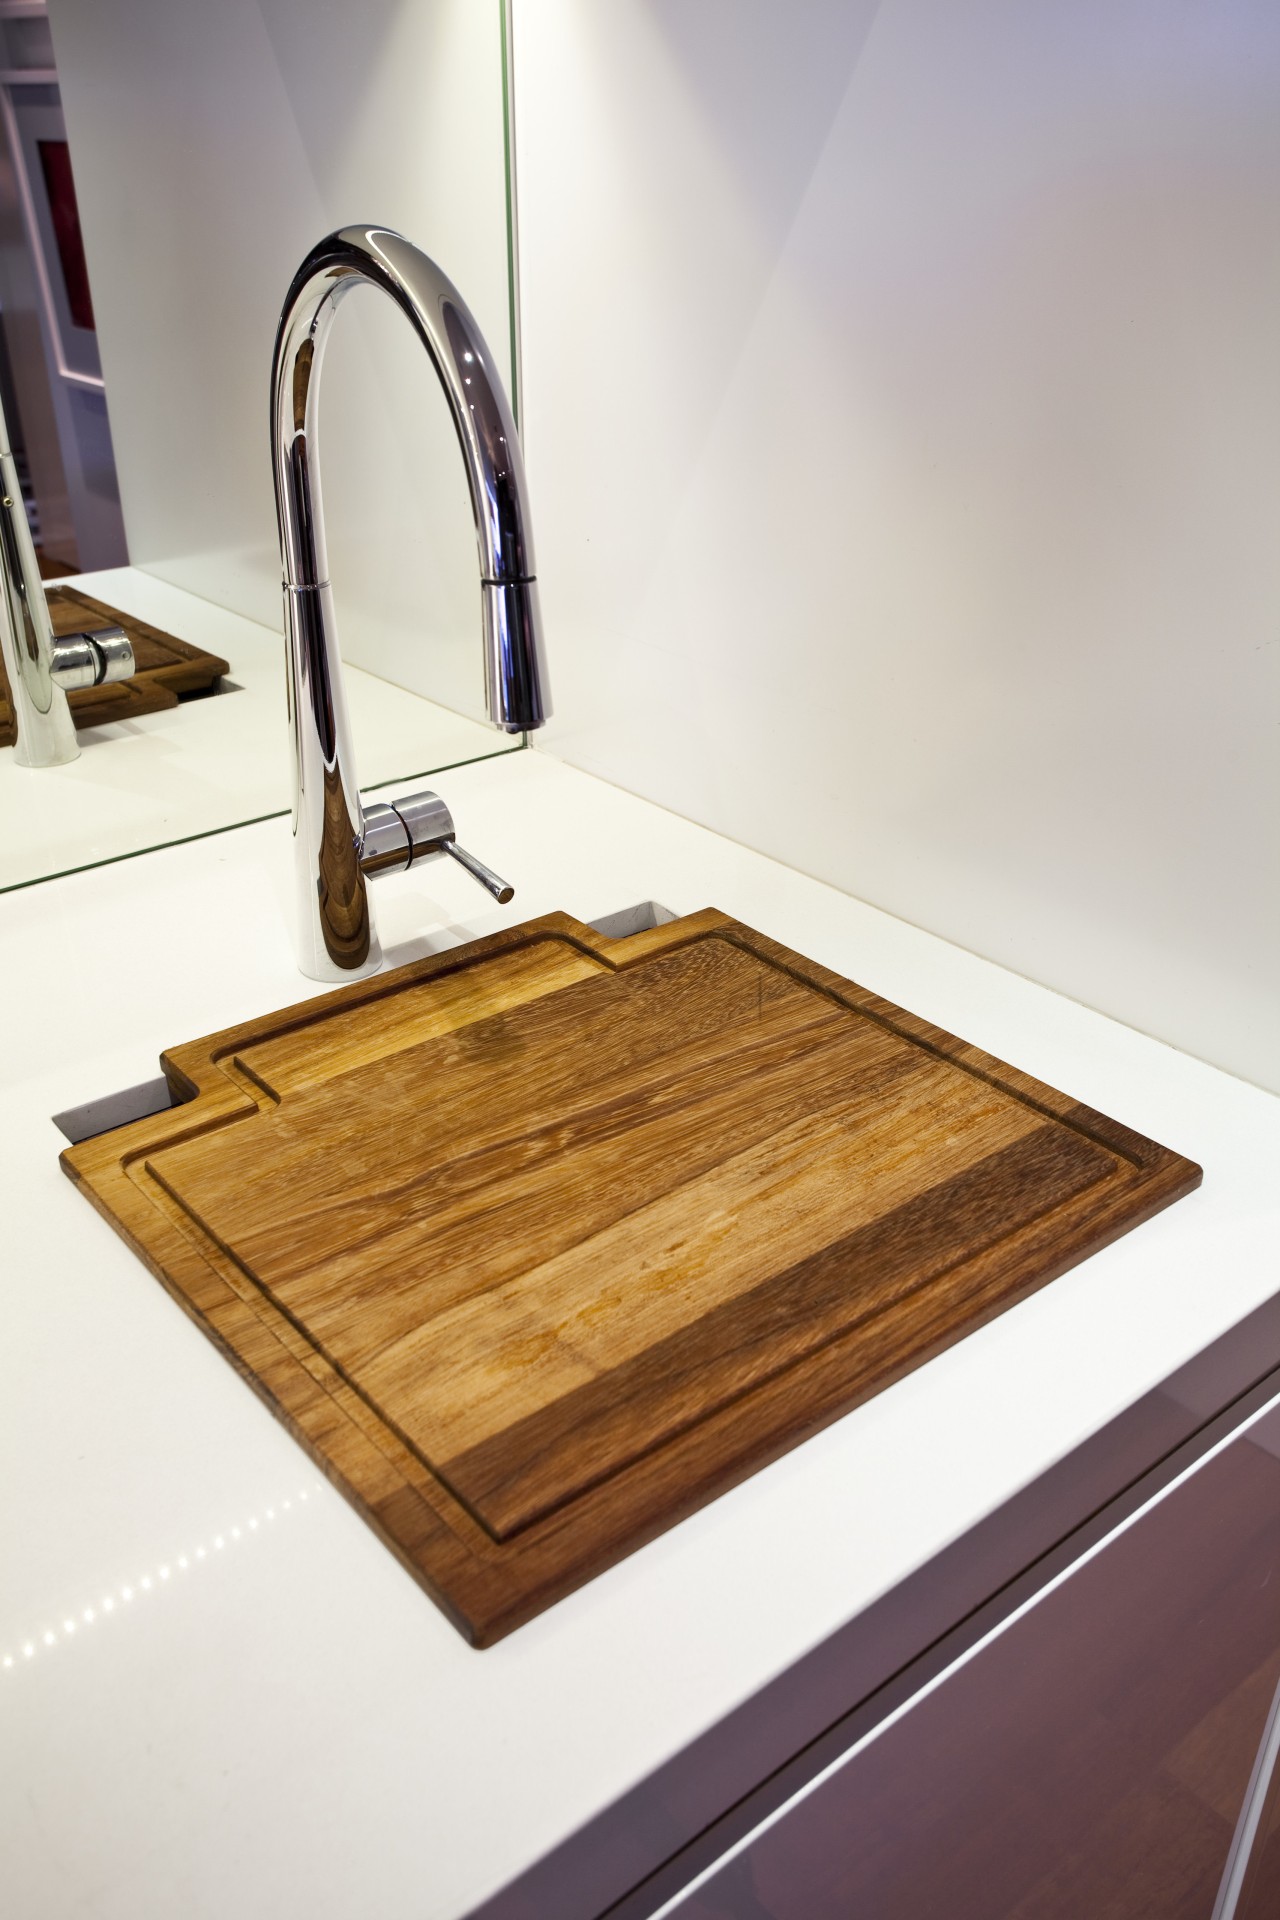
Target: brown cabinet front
{"x":1091,"y":1757}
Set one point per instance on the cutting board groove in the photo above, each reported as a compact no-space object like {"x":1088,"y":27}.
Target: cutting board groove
{"x":540,"y":1244}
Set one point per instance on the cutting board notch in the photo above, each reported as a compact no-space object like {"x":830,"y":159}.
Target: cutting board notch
{"x":540,"y":1244}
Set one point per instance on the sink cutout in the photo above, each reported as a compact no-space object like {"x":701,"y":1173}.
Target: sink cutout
{"x":115,"y":1110}
{"x":642,"y":918}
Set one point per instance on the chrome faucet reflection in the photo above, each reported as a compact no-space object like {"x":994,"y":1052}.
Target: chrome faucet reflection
{"x":339,"y":844}
{"x":42,"y":668}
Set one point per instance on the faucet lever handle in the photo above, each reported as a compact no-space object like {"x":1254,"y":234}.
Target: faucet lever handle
{"x":410,"y":829}
{"x":429,"y":824}
{"x":502,"y":890}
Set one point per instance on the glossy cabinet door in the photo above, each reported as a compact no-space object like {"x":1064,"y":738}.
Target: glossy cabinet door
{"x":1095,"y":1754}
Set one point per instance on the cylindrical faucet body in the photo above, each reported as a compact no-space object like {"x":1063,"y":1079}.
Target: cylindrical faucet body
{"x":41,"y":667}
{"x":336,"y":930}
{"x":46,"y":734}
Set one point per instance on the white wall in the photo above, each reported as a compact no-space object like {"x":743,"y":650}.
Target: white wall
{"x":902,"y":402}
{"x":214,"y":141}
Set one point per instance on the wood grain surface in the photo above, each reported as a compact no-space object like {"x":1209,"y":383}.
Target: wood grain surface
{"x":539,"y":1244}
{"x":165,"y":667}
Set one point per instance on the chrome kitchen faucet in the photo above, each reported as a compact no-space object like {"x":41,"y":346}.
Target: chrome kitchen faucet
{"x":43,"y":668}
{"x":339,"y":843}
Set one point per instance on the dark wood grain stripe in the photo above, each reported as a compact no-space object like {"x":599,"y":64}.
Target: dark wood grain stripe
{"x":591,"y":1433}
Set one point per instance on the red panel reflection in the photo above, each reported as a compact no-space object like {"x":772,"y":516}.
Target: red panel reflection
{"x":55,"y":162}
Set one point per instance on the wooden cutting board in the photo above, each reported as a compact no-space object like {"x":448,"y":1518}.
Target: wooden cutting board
{"x":540,"y":1244}
{"x":165,"y":667}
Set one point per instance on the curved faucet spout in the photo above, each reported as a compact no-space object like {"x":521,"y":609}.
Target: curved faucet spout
{"x":329,"y":824}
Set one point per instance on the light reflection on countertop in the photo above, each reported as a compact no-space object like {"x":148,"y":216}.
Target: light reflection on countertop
{"x":151,"y":1581}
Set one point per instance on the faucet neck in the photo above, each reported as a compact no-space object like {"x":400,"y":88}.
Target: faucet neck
{"x":329,"y":820}
{"x":372,"y":256}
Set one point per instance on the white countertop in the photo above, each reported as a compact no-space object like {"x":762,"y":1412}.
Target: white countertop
{"x":204,"y":764}
{"x":283,"y":1723}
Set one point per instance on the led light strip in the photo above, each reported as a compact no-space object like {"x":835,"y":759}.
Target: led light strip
{"x":81,"y":1618}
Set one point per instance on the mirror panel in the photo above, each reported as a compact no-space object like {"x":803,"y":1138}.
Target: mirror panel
{"x":212,"y":146}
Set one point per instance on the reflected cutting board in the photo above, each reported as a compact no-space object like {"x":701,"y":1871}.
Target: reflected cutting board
{"x":539,"y":1244}
{"x":164,"y":666}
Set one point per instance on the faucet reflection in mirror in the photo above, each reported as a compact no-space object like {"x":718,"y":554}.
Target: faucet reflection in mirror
{"x":42,"y":669}
{"x":339,"y":844}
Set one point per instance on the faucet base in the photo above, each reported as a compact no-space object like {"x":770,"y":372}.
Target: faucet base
{"x":50,"y":749}
{"x":320,"y":967}
{"x":335,"y":932}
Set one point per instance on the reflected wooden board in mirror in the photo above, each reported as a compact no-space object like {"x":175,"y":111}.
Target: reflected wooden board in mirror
{"x":168,"y":669}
